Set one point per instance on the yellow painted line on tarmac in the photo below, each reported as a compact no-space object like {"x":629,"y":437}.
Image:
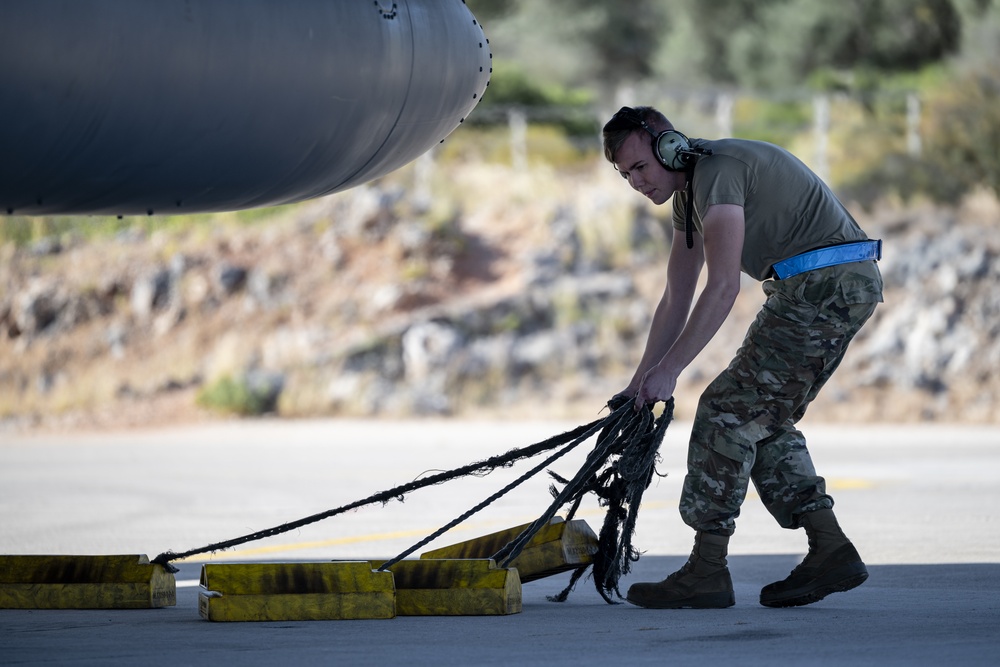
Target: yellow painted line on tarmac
{"x":850,"y":484}
{"x":340,"y":541}
{"x":836,"y":484}
{"x":394,"y":535}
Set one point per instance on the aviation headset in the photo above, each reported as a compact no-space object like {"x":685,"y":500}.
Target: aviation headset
{"x":673,"y":150}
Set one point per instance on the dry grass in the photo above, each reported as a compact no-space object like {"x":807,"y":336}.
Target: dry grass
{"x":325,"y":301}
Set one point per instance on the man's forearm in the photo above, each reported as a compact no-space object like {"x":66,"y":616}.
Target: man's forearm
{"x":666,"y":326}
{"x":710,"y":311}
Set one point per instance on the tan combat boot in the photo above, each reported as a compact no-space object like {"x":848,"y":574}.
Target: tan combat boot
{"x":831,"y":566}
{"x":701,"y":583}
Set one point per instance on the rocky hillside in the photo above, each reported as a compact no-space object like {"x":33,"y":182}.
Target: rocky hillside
{"x":482,"y":292}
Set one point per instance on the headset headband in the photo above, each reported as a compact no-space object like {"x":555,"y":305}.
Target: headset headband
{"x":629,"y":117}
{"x":671,"y":148}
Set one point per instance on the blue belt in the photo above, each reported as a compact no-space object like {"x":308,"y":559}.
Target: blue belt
{"x":829,"y":256}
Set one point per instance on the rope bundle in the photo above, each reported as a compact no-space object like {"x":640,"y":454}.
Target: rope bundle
{"x":632,"y":436}
{"x":631,"y":445}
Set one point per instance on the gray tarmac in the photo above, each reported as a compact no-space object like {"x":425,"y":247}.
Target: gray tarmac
{"x":920,"y":502}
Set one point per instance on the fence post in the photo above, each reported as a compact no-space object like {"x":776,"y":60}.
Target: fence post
{"x":821,"y":129}
{"x":914,"y":145}
{"x":518,"y":124}
{"x":724,"y":114}
{"x":423,"y":170}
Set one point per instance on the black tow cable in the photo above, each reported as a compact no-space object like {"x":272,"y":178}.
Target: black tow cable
{"x":631,"y":436}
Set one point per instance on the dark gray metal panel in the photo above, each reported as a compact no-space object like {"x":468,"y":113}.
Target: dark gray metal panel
{"x":177,"y":106}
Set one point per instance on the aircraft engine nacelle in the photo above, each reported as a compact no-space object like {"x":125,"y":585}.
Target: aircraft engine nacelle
{"x":123,"y":107}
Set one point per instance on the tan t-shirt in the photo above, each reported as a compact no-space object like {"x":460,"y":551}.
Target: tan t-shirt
{"x":788,"y":209}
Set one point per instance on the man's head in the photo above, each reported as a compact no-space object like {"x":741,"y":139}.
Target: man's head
{"x":645,"y":120}
{"x":628,"y":145}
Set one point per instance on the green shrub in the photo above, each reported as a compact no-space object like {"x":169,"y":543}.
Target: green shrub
{"x":964,"y":132}
{"x":961,"y":148}
{"x":239,"y":396}
{"x":776,"y":121}
{"x":568,"y":109}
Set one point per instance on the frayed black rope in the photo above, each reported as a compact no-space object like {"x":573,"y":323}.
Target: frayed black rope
{"x":564,"y":594}
{"x":629,"y":476}
{"x":577,"y":486}
{"x":575,"y":436}
{"x":590,"y":429}
{"x":619,"y":487}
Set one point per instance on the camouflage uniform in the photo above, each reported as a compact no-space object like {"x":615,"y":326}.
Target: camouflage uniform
{"x":744,"y":428}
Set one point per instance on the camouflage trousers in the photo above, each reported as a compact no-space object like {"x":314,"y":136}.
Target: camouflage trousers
{"x":744,"y":428}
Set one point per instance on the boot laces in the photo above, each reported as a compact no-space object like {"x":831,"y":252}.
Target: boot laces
{"x":810,"y":557}
{"x":683,"y":571}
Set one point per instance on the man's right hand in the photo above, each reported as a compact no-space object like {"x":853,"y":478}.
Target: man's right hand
{"x":621,"y":398}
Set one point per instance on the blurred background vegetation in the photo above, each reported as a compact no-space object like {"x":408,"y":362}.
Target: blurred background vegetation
{"x":911,"y":86}
{"x":887,"y":99}
{"x":896,"y":103}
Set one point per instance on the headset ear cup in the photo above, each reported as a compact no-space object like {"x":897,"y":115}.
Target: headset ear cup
{"x":670,"y":147}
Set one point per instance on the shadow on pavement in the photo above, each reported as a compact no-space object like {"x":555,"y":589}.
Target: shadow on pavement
{"x":904,"y":614}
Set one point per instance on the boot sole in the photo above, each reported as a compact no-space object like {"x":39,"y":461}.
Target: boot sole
{"x":838,"y":581}
{"x":706,"y":601}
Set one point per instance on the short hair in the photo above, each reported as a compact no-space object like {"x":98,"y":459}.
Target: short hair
{"x":628,"y":120}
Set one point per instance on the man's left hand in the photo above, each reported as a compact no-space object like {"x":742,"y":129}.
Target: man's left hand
{"x":658,"y":384}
